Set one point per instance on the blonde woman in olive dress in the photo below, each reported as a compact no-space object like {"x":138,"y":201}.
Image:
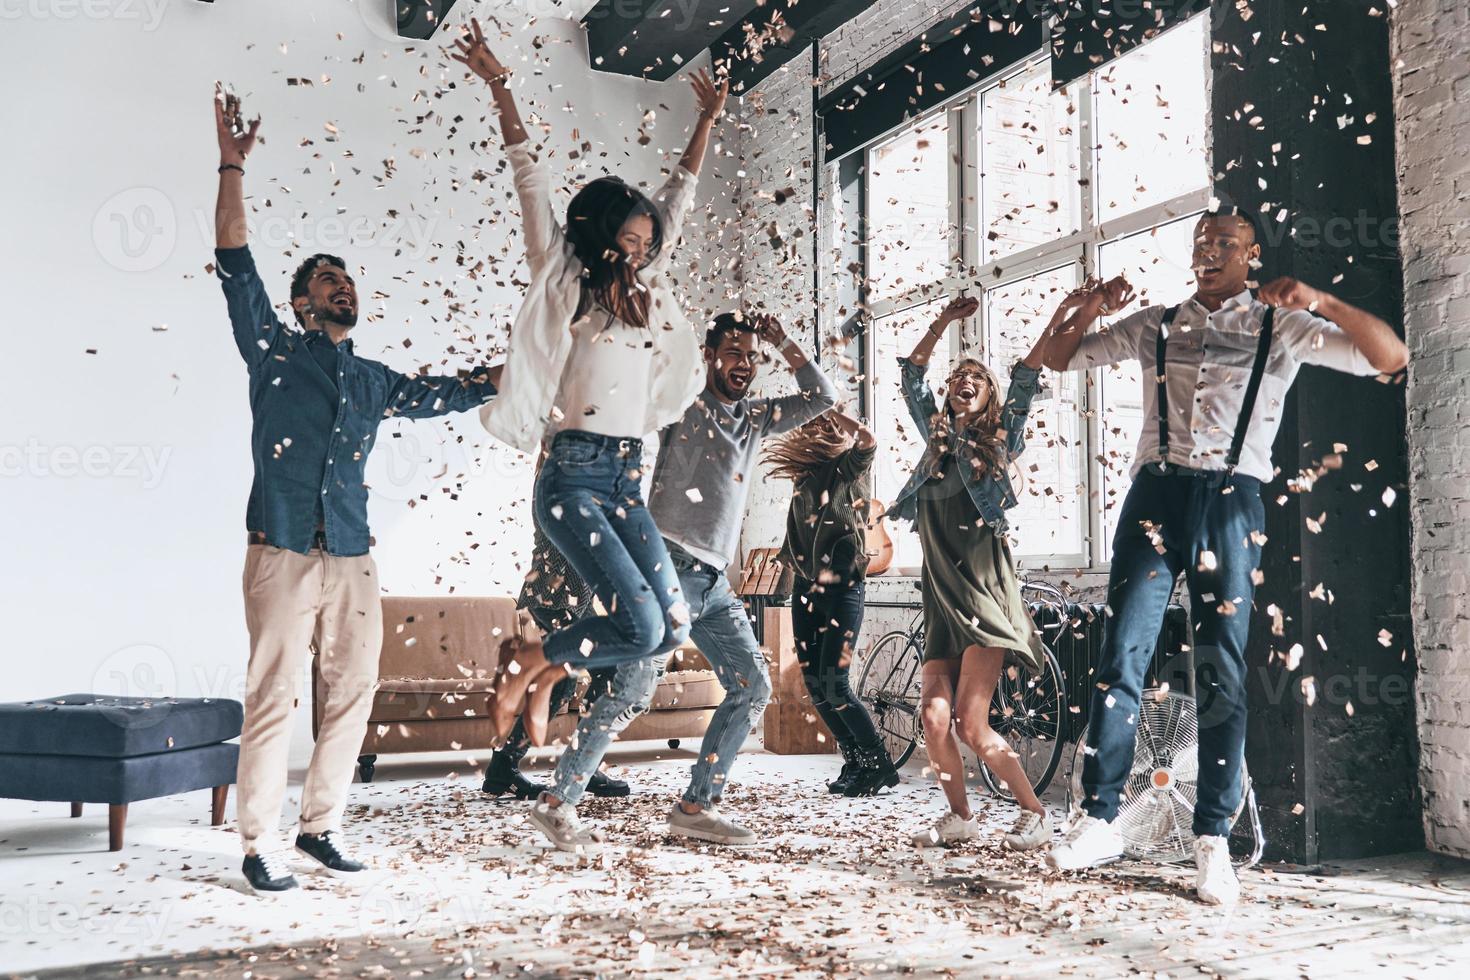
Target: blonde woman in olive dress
{"x":975,"y":621}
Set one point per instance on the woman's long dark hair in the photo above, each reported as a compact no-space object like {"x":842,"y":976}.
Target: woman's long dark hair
{"x":594,"y":218}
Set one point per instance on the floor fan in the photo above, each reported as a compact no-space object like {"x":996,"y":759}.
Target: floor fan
{"x":1156,"y":808}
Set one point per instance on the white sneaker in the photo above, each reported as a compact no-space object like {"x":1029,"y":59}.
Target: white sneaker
{"x":710,"y":825}
{"x":564,"y":830}
{"x":1214,"y":877}
{"x":1029,"y":832}
{"x":1088,"y":842}
{"x":948,"y":829}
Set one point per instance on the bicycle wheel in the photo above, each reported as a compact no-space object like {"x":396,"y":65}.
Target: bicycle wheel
{"x":1029,"y":713}
{"x":889,"y":688}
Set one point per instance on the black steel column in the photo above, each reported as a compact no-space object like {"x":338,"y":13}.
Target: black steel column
{"x":1303,"y":100}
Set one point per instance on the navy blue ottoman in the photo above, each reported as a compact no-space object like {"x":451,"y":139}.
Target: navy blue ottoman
{"x":88,"y":748}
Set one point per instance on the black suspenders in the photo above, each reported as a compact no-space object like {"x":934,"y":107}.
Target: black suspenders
{"x":1247,"y":405}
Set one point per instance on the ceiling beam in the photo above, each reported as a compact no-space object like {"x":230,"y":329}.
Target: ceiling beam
{"x":656,"y":38}
{"x":774,"y":33}
{"x":418,"y":19}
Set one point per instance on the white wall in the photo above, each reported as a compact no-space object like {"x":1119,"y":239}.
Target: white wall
{"x":1431,"y":79}
{"x":123,"y":576}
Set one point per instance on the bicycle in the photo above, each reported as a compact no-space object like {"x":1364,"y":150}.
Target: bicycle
{"x":1030,"y":712}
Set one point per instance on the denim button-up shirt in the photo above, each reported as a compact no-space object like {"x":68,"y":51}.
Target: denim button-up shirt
{"x":311,"y":432}
{"x":991,"y":491}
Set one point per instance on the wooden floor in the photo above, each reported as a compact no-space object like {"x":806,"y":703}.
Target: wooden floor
{"x":462,"y":890}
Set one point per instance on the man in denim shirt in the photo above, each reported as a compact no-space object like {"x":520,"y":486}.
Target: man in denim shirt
{"x":309,"y":580}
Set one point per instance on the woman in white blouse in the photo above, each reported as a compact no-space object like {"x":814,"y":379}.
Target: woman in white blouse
{"x":600,"y":354}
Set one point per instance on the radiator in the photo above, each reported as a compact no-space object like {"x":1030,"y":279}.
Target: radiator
{"x":1078,"y":648}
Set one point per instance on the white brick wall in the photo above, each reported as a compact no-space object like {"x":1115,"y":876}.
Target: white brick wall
{"x":1432,"y":109}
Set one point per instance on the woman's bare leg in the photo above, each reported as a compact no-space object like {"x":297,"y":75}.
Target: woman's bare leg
{"x":979,"y":674}
{"x":937,"y":710}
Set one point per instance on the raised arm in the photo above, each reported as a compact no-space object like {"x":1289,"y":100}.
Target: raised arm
{"x":862,"y":436}
{"x":475,"y":53}
{"x":236,"y":140}
{"x":1077,"y":313}
{"x":252,"y":318}
{"x":1370,"y":335}
{"x":816,"y":394}
{"x":959,"y":308}
{"x":710,"y":99}
{"x":544,"y":237}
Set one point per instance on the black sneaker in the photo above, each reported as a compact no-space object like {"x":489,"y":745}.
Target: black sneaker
{"x":602,"y":784}
{"x":512,"y":781}
{"x":323,"y":849}
{"x":844,"y":779}
{"x":267,"y":873}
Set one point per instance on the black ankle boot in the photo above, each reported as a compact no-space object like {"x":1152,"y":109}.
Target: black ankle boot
{"x":850,"y":769}
{"x":875,"y":774}
{"x":502,"y":778}
{"x":601,"y":784}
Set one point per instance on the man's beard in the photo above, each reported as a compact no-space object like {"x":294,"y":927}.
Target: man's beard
{"x":727,"y":390}
{"x":330,"y":314}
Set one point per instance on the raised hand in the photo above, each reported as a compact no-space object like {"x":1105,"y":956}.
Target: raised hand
{"x":1116,"y":293}
{"x":236,"y":139}
{"x":769,"y":329}
{"x":708,"y":97}
{"x":1290,"y":294}
{"x":474,"y":52}
{"x":959,"y":308}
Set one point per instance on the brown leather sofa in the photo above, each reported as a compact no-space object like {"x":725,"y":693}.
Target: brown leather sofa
{"x":439,"y":657}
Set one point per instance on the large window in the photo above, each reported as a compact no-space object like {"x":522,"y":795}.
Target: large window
{"x":1015,"y":192}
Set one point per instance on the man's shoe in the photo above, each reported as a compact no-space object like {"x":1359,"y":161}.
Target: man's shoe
{"x":1088,"y":843}
{"x":844,"y":779}
{"x":876,"y":773}
{"x":267,"y":874}
{"x":709,"y":825}
{"x":1214,"y":877}
{"x":563,"y":829}
{"x":324,"y":849}
{"x":511,"y":781}
{"x":602,"y":784}
{"x":948,"y":829}
{"x":1030,"y":831}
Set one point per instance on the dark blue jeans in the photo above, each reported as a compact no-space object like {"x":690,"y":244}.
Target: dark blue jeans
{"x":826,"y":620}
{"x":1209,"y":527}
{"x":589,"y":503}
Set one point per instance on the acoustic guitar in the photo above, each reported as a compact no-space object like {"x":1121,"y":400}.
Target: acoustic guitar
{"x":877,"y":545}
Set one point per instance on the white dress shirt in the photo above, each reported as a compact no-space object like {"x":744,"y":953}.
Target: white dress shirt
{"x":1208,"y":360}
{"x":541,"y":340}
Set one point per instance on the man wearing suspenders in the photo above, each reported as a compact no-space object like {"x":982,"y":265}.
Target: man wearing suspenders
{"x":1216,"y":372}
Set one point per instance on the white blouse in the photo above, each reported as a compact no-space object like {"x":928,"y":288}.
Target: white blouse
{"x":540,"y":341}
{"x":604,"y":386}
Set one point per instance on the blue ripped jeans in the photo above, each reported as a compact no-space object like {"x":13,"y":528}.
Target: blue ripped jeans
{"x":723,"y":634}
{"x":589,"y":503}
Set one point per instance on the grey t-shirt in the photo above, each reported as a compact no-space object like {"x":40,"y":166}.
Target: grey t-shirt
{"x":706,"y":459}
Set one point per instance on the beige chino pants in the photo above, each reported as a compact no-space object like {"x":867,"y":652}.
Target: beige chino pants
{"x":294,"y":603}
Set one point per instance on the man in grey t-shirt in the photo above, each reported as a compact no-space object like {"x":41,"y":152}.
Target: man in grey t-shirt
{"x":701,"y":482}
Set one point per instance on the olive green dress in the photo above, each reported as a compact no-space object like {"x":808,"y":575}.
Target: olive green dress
{"x":972,"y":596}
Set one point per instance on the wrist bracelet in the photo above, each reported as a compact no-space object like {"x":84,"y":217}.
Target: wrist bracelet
{"x":231,"y":166}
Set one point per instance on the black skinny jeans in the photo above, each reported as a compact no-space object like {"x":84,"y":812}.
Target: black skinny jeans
{"x":824,"y":651}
